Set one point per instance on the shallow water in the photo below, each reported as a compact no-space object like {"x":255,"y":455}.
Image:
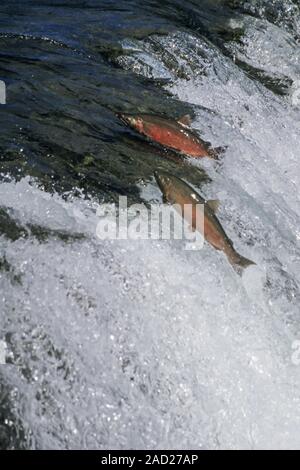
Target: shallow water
{"x":143,"y":344}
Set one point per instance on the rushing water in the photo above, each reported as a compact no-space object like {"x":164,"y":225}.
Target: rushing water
{"x":143,"y":344}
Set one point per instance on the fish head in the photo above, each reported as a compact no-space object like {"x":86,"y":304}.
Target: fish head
{"x":132,"y":120}
{"x":165,"y":183}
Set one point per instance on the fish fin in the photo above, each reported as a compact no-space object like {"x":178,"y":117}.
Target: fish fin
{"x":213,"y":204}
{"x":240,"y":263}
{"x":185,"y":120}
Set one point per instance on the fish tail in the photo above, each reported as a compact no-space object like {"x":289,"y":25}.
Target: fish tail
{"x":216,"y":152}
{"x":239,"y":262}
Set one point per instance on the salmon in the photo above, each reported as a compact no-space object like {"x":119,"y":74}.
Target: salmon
{"x":176,"y":135}
{"x":177,"y":192}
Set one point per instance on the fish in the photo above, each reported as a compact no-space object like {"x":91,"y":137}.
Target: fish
{"x":176,"y":192}
{"x":176,"y":135}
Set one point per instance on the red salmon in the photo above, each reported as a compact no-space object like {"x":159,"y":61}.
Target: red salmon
{"x":170,"y":133}
{"x":176,"y":191}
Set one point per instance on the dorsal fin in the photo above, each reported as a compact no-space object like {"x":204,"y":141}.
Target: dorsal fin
{"x":213,"y":204}
{"x":185,"y":120}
